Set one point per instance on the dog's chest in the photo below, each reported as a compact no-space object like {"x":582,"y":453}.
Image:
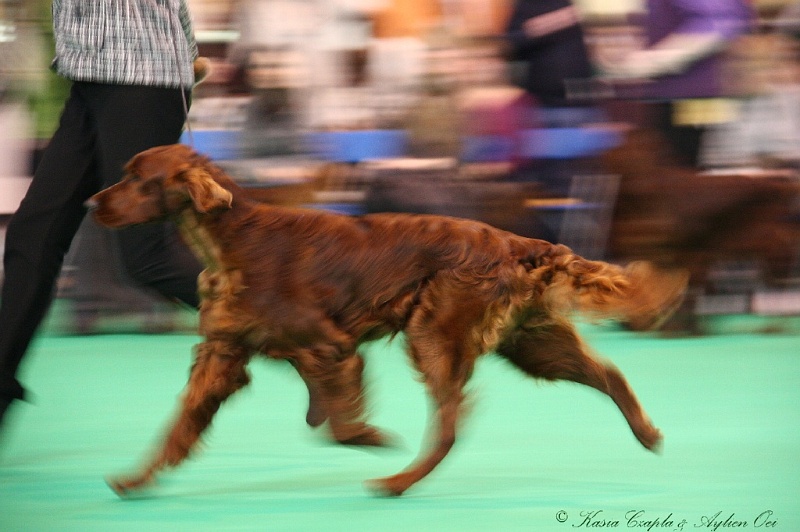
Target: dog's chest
{"x":219,"y":308}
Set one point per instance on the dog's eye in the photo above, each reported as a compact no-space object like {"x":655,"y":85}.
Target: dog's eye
{"x":148,"y":187}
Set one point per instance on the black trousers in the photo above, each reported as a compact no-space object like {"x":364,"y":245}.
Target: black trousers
{"x":684,"y":141}
{"x":101,"y":128}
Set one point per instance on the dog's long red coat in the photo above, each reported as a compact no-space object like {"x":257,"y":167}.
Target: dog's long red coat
{"x":310,"y":286}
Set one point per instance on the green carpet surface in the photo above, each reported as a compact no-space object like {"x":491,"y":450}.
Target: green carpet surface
{"x":531,"y":456}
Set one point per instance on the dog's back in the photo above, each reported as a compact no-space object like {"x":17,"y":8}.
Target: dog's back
{"x":368,"y":273}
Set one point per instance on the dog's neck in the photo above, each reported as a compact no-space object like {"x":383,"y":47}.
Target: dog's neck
{"x":204,"y":232}
{"x":199,"y":240}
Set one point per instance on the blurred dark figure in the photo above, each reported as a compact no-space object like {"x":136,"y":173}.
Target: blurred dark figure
{"x":131,"y":71}
{"x":551,"y":61}
{"x":546,"y":38}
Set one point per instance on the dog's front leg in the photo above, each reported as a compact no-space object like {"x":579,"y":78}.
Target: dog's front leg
{"x":218,"y":372}
{"x":336,"y":379}
{"x":317,"y":413}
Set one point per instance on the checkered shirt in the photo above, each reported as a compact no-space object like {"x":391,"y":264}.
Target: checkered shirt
{"x":126,"y":42}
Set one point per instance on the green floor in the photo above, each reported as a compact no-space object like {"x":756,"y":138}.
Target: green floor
{"x":531,"y":456}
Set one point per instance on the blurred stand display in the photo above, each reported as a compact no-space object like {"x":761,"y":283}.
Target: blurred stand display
{"x":15,"y":147}
{"x":21,"y":77}
{"x":763,"y":72}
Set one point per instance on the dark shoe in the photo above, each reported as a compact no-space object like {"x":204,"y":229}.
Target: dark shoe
{"x":9,"y":394}
{"x":4,"y":404}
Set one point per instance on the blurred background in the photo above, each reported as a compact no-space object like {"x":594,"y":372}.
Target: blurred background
{"x":587,"y":124}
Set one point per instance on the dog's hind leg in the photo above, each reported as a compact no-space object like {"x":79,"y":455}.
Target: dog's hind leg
{"x":554,"y":351}
{"x":445,"y":337}
{"x":219,"y":371}
{"x":454,"y":323}
{"x":445,"y":377}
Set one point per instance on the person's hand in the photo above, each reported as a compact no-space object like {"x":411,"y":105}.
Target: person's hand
{"x":551,"y":22}
{"x":202,"y":68}
{"x":672,"y":55}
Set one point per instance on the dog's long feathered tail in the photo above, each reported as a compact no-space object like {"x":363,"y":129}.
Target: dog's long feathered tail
{"x":638,"y":294}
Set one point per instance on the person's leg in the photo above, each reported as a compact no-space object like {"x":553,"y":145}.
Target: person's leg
{"x":131,"y":120}
{"x":683,"y":141}
{"x":39,"y":235}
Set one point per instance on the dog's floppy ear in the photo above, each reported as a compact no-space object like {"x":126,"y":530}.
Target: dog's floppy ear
{"x":204,"y":192}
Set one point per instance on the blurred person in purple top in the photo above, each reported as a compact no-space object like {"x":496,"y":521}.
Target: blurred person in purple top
{"x":682,"y":59}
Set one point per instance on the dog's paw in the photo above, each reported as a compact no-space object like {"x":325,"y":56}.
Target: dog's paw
{"x":652,"y":440}
{"x":316,"y":415}
{"x":393,"y":486}
{"x":127,"y":487}
{"x":201,"y":68}
{"x":370,"y":437}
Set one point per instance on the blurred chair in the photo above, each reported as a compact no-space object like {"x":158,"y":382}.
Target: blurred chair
{"x":586,"y":223}
{"x":579,"y":199}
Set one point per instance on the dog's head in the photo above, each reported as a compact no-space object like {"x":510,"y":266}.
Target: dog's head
{"x":158,"y":184}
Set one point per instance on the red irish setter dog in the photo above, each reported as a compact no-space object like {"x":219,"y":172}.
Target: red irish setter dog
{"x":310,"y":286}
